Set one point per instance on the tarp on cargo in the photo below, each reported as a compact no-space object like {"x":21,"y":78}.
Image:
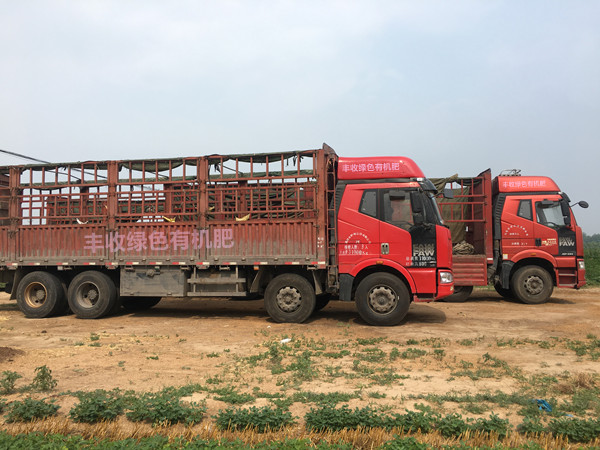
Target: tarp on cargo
{"x":452,"y":214}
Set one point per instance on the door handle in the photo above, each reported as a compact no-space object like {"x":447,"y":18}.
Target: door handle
{"x":385,"y":249}
{"x":538,"y":242}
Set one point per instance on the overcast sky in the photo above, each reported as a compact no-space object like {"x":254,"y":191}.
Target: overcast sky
{"x":459,"y":86}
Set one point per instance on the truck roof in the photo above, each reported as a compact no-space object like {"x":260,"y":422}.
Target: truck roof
{"x":524,"y":184}
{"x":378,"y":167}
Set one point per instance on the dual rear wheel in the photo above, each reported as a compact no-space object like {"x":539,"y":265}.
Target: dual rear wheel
{"x":91,"y":295}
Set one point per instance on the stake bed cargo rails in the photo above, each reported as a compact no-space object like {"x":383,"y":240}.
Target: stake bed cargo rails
{"x":134,"y":231}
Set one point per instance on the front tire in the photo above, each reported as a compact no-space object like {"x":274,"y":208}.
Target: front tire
{"x":40,"y":295}
{"x":92,"y":295}
{"x":382,"y":299}
{"x":505,"y":293}
{"x":532,"y":285}
{"x":461,"y":294}
{"x":289,"y":298}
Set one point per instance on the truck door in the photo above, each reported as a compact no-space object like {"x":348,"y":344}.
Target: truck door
{"x":358,"y":227}
{"x":517,"y":225}
{"x":397,"y":223}
{"x":552,"y":231}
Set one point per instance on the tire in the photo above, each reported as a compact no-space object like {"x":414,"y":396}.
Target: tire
{"x":41,"y":294}
{"x":506,"y":293}
{"x":92,"y":295}
{"x":532,"y":285}
{"x":133,"y":304}
{"x":461,"y":294}
{"x":382,"y":299}
{"x":322,"y":301}
{"x":290,"y":298}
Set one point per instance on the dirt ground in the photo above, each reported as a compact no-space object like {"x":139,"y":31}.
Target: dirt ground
{"x":184,"y":341}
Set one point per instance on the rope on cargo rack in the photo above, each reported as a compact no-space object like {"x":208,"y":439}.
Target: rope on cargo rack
{"x":19,"y":155}
{"x":463,"y":248}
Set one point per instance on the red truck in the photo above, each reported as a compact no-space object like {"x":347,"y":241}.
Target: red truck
{"x":296,"y":228}
{"x":515,"y":232}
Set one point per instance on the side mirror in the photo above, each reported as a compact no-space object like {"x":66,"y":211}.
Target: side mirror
{"x":583,"y":204}
{"x":416,"y":201}
{"x":566,"y":212}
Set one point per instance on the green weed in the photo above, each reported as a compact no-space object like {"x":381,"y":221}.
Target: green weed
{"x":29,"y":410}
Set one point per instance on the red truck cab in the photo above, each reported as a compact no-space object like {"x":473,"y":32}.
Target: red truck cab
{"x":389,"y":226}
{"x":541,"y":245}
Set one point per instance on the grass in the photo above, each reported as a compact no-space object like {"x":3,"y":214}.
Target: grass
{"x":297,"y":372}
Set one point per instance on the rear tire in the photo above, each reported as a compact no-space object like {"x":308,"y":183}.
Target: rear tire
{"x":41,"y":294}
{"x":382,"y":299}
{"x":461,"y":294}
{"x":532,"y":285}
{"x":289,"y":298}
{"x":133,"y":304}
{"x":92,"y":295}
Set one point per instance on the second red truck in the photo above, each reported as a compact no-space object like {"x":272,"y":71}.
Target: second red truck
{"x":515,"y":232}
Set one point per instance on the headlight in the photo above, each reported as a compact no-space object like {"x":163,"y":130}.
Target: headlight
{"x":446,"y":278}
{"x":581,"y":264}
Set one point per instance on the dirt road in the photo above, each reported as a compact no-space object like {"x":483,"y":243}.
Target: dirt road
{"x":189,"y":341}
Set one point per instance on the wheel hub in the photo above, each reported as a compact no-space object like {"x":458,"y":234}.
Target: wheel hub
{"x":382,"y":299}
{"x":35,"y":295}
{"x":88,"y":295}
{"x":534,"y":285}
{"x":289,"y":299}
{"x":92,"y":295}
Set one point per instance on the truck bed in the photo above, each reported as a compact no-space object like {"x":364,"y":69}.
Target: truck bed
{"x":218,"y":209}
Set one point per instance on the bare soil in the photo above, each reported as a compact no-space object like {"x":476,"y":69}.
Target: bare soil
{"x":182,"y":341}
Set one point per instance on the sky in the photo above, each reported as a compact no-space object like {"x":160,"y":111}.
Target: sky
{"x":457,"y":86}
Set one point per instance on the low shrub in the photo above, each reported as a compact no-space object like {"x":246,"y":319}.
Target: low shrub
{"x":7,"y":382}
{"x":329,"y":418}
{"x":531,"y":425}
{"x":29,"y":410}
{"x":259,"y":419}
{"x":451,"y":425}
{"x":494,"y":425}
{"x":97,"y":406}
{"x":413,"y":421}
{"x":577,"y":430}
{"x":164,"y":409}
{"x":404,"y":443}
{"x":43,"y":380}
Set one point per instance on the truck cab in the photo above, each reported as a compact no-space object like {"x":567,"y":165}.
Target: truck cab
{"x":389,"y":230}
{"x":541,"y":245}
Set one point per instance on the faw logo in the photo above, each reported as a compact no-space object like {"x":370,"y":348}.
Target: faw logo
{"x":566,"y":242}
{"x":424,"y":250}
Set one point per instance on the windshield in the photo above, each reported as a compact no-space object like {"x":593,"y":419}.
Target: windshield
{"x":551,"y":216}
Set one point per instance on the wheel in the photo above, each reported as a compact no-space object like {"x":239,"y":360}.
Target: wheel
{"x":506,"y":293}
{"x":133,"y":304}
{"x":382,"y":299}
{"x":322,"y":301}
{"x":290,"y":298}
{"x":41,"y":294}
{"x":532,"y":285}
{"x":461,"y":293}
{"x":92,"y":295}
